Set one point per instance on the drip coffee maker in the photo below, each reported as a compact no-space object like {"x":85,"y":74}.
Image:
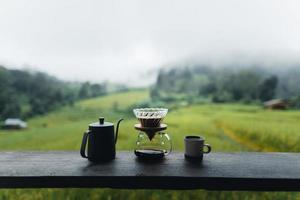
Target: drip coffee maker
{"x":153,"y":141}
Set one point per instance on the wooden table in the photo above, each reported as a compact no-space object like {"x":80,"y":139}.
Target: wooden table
{"x":218,"y":171}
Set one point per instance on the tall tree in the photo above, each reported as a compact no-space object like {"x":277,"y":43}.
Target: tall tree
{"x":268,"y":88}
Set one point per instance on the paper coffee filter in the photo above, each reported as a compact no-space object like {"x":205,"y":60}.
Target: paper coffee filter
{"x":150,"y":118}
{"x":150,"y":113}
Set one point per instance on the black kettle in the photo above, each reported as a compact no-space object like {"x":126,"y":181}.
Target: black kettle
{"x":101,"y":139}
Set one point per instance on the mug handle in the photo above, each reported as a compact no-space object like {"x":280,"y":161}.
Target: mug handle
{"x":83,"y":144}
{"x":208,"y":148}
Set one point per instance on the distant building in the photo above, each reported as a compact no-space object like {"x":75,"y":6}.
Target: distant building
{"x":276,"y":104}
{"x":14,"y":123}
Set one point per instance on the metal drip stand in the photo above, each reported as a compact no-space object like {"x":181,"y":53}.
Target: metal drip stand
{"x":150,"y":131}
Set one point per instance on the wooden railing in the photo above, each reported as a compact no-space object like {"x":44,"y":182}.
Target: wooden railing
{"x":218,"y":171}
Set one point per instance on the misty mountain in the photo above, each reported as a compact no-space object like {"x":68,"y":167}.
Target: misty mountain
{"x":231,"y":83}
{"x":29,"y":93}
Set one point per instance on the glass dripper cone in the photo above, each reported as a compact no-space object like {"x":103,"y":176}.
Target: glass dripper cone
{"x":150,"y":118}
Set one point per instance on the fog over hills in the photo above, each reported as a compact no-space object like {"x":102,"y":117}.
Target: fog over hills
{"x":129,"y":41}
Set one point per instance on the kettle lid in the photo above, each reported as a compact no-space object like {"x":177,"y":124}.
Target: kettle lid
{"x":101,"y":123}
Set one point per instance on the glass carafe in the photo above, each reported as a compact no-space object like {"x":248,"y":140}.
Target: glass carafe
{"x":157,"y":145}
{"x":152,"y":141}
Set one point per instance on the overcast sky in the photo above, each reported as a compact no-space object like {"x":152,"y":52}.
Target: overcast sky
{"x":127,"y":41}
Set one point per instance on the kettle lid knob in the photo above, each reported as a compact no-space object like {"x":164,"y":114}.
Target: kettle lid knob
{"x":101,"y":120}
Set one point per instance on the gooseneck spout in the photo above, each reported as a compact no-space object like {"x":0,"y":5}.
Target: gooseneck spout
{"x":116,"y":138}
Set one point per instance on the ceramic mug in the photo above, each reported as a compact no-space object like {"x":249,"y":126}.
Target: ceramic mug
{"x":194,"y":147}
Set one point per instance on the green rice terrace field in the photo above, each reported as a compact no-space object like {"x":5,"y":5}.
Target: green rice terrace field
{"x":227,"y":127}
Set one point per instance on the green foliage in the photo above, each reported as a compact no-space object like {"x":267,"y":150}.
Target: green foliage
{"x":27,"y":94}
{"x":296,"y":102}
{"x":268,"y":88}
{"x":89,"y":90}
{"x":9,"y":102}
{"x":222,"y":97}
{"x":231,"y":84}
{"x":289,"y":83}
{"x":243,"y":84}
{"x":111,"y":194}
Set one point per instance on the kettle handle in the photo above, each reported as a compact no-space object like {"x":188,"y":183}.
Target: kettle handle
{"x":116,"y":138}
{"x":83,"y":144}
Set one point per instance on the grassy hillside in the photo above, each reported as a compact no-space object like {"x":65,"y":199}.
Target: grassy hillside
{"x":63,"y":129}
{"x":226,"y":128}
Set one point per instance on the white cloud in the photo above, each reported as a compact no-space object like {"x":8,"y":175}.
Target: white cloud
{"x":124,"y":41}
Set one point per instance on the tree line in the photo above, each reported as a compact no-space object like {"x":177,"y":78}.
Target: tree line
{"x":25,"y":94}
{"x":226,"y":84}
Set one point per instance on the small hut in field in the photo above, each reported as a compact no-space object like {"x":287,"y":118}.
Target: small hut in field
{"x":276,"y":104}
{"x":14,"y":123}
